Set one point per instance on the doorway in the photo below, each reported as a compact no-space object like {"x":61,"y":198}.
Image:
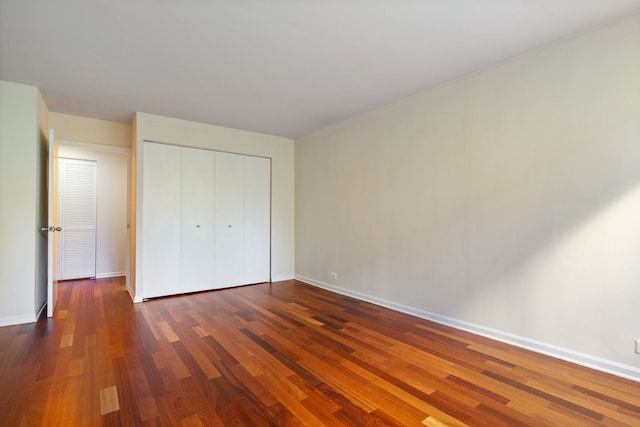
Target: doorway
{"x":111,"y":247}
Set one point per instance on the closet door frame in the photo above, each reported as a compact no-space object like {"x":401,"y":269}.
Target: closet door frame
{"x":175,"y":273}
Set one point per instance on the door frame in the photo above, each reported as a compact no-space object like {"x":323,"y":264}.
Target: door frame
{"x":127,"y":153}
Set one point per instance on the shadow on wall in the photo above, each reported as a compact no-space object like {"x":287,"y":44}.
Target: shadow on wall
{"x":508,"y":198}
{"x":533,"y":238}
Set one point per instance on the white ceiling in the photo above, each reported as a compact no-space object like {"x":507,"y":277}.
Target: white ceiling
{"x":282,"y":67}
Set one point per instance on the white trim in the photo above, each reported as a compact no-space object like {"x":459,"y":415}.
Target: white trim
{"x":582,"y":359}
{"x":111,"y":274}
{"x":17,"y":320}
{"x":198,"y":147}
{"x":282,"y":278}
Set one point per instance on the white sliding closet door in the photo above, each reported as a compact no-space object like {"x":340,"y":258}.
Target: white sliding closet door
{"x":206,"y":220}
{"x":229,"y":219}
{"x":161,"y":220}
{"x":77,"y":192}
{"x":257,"y":220}
{"x":197,"y":234}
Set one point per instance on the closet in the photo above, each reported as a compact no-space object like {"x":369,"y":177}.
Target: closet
{"x":206,"y":220}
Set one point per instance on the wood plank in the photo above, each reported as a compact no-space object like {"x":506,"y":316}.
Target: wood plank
{"x":109,"y":400}
{"x":282,"y":354}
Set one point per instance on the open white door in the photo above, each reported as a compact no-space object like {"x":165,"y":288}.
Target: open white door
{"x":52,"y":228}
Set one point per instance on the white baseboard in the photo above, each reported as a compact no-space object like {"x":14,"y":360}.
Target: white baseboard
{"x":17,"y":320}
{"x":282,"y":278}
{"x":108,"y":275}
{"x":582,"y":359}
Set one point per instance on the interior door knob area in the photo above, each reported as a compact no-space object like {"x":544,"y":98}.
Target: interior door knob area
{"x":51,"y":229}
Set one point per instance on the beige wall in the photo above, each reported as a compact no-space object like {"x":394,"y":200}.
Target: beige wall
{"x":280,"y":150}
{"x":506,"y":202}
{"x":94,"y":131}
{"x":23,"y":118}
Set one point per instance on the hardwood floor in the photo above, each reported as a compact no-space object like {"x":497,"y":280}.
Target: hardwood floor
{"x":281,"y":354}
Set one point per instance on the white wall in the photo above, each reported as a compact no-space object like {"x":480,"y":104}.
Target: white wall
{"x":22,"y":146}
{"x":507,"y":201}
{"x":280,"y":150}
{"x":111,"y":231}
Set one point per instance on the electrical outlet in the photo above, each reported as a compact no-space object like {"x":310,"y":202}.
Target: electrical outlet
{"x":638,"y":346}
{"x":334,"y":276}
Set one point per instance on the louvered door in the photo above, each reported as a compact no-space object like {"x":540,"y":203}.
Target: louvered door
{"x":77,"y":191}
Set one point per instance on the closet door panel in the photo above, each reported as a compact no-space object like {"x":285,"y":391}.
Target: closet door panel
{"x":161,"y":220}
{"x":229,"y":222}
{"x":197,"y":230}
{"x":257,"y":220}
